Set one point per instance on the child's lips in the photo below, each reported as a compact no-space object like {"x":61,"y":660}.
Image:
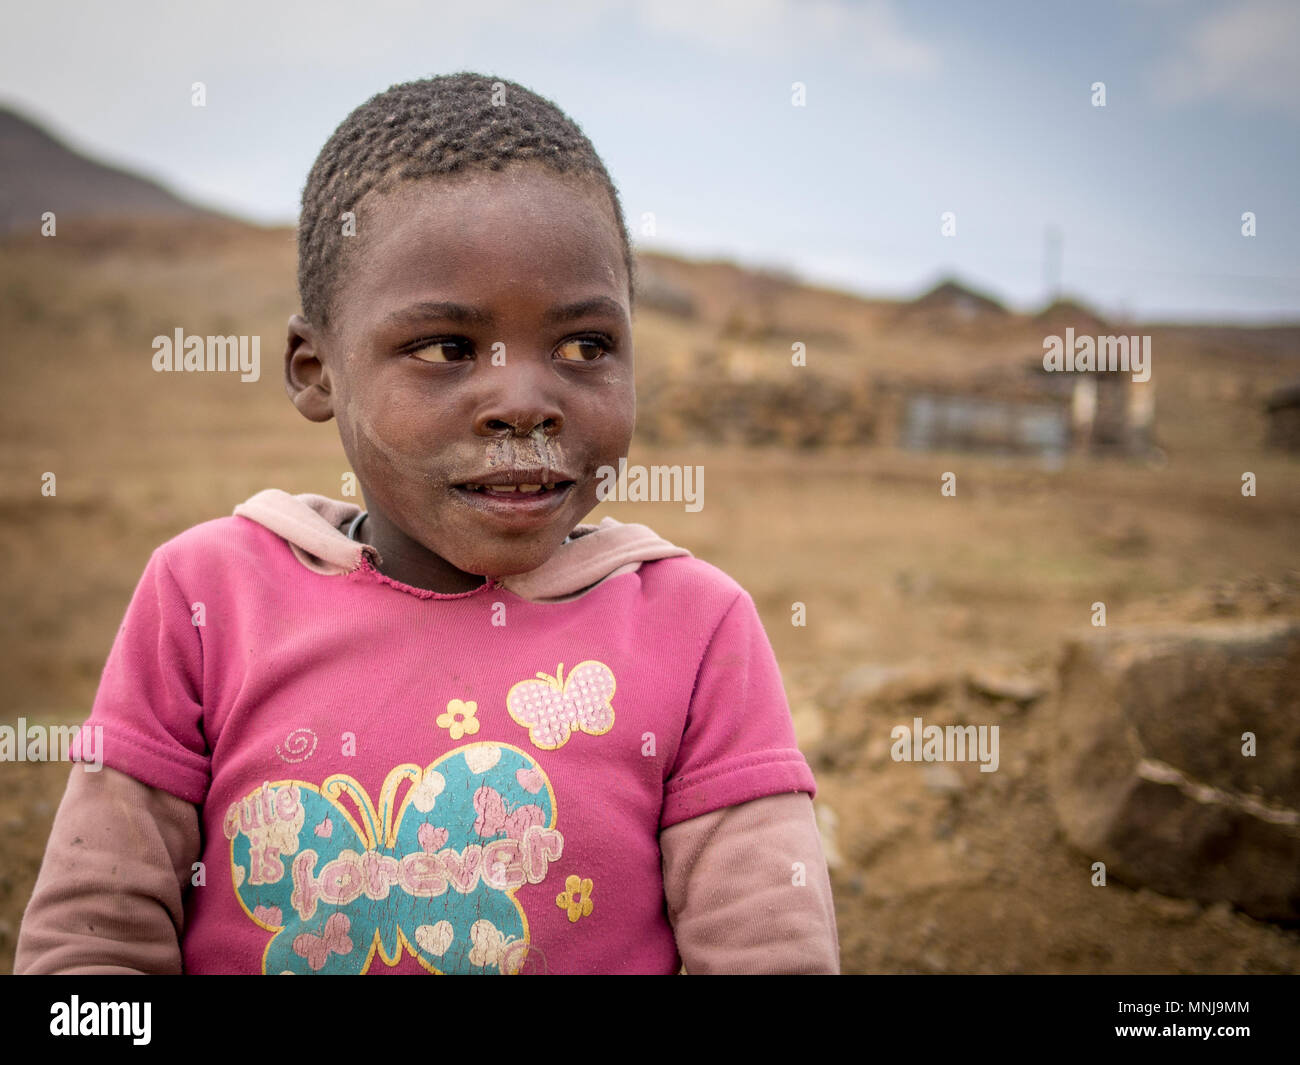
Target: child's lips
{"x":522,"y":503}
{"x":529,"y":478}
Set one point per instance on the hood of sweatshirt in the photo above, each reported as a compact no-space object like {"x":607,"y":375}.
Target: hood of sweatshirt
{"x":313,"y":527}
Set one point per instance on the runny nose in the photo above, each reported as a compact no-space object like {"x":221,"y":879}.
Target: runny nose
{"x":535,"y":450}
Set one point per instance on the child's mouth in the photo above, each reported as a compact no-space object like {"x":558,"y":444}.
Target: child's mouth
{"x":506,"y":489}
{"x":526,"y":502}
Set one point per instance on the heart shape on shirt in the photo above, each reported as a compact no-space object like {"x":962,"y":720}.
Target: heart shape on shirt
{"x":435,"y":938}
{"x":271,"y":916}
{"x":482,"y":756}
{"x":432,"y":838}
{"x":530,"y":780}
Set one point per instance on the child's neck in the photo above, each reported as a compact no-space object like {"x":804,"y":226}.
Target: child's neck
{"x":410,"y":563}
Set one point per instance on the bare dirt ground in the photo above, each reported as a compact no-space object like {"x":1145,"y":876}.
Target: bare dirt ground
{"x":908,"y":594}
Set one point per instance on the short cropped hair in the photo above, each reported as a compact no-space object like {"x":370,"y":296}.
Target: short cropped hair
{"x":444,"y":125}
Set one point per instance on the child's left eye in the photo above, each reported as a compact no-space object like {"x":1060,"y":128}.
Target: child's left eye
{"x":571,"y":350}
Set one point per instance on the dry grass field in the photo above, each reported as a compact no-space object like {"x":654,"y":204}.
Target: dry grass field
{"x":909,"y":595}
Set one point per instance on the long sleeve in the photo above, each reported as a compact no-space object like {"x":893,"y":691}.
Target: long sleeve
{"x":748,"y":890}
{"x":109,"y":896}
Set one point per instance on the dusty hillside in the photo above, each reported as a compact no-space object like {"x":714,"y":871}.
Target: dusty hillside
{"x":909,"y":595}
{"x":41,"y":175}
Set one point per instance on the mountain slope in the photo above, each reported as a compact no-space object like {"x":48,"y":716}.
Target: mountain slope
{"x":38,"y":173}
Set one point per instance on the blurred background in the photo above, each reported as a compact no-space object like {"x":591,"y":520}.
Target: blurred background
{"x":914,"y":196}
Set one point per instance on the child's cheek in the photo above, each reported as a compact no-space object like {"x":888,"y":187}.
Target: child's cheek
{"x":411,"y":461}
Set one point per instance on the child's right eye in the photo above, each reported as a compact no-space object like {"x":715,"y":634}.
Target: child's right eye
{"x":433,"y":351}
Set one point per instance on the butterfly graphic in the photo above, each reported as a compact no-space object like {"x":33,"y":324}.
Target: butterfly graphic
{"x":551,"y":707}
{"x":433,"y":873}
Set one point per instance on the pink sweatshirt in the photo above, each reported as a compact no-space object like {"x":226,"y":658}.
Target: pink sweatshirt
{"x":312,"y":768}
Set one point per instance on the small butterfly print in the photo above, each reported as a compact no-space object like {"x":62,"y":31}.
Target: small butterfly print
{"x":552,"y":707}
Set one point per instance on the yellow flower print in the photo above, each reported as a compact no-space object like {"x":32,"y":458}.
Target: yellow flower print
{"x":459,"y":718}
{"x":576,"y":897}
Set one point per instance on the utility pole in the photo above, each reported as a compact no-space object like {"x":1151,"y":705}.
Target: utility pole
{"x":1053,"y":257}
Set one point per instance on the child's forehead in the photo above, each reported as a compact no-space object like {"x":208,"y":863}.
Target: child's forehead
{"x":527,"y":189}
{"x":489,"y":242}
{"x":541,"y":219}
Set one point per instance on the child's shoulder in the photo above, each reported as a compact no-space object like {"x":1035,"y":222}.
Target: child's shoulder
{"x":218,"y":540}
{"x":689,"y":571}
{"x":687,"y":579}
{"x":272,"y":526}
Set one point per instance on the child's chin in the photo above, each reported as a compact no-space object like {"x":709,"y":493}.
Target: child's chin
{"x":522,"y":556}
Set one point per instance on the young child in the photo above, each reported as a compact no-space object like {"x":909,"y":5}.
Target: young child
{"x":458,"y":732}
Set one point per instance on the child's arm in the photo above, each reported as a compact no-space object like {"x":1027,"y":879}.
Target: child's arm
{"x":109,"y":895}
{"x":748,"y":891}
{"x":745,"y":878}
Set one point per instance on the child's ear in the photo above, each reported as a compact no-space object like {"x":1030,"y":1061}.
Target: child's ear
{"x":305,"y":377}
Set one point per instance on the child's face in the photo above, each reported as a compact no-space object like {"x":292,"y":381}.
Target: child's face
{"x":527,"y":379}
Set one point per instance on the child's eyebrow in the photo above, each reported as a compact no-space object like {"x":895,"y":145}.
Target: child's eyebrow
{"x":466,"y":315}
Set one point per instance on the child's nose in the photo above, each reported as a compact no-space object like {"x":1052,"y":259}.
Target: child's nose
{"x":518,"y":399}
{"x":521,"y":425}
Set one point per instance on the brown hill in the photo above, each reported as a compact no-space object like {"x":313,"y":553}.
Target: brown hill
{"x":952,"y":297}
{"x":38,"y":173}
{"x":1070,"y":314}
{"x":953,"y":309}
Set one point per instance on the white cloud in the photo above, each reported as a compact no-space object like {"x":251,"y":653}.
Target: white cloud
{"x":1245,"y":53}
{"x":769,"y":28}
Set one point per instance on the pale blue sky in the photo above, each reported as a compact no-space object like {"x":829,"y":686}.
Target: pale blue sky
{"x":913,"y":109}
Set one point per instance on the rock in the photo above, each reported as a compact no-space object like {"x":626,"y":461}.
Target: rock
{"x":1176,"y":911}
{"x":941,"y":777}
{"x":1147,"y":768}
{"x":869,"y":680}
{"x":913,"y":684}
{"x":994,"y":683}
